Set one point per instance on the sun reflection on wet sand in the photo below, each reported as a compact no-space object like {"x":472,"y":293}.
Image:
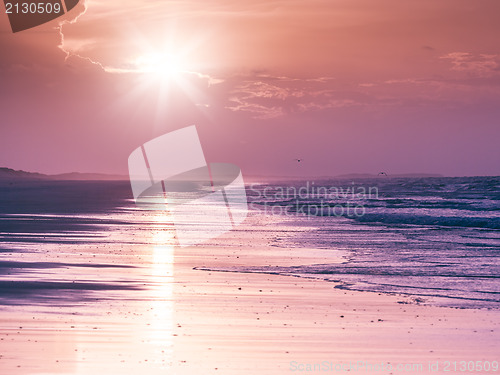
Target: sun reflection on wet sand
{"x":162,"y":289}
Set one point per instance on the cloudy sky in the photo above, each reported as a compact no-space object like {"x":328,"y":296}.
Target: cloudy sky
{"x":349,"y":86}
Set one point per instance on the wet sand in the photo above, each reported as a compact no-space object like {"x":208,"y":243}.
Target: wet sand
{"x":180,"y":320}
{"x":103,"y":292}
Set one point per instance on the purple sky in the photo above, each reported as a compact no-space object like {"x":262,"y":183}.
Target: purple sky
{"x":350,"y":86}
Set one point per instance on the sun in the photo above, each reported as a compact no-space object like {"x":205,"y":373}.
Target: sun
{"x":161,"y":65}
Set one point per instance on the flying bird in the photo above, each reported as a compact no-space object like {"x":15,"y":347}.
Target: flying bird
{"x":382,"y":174}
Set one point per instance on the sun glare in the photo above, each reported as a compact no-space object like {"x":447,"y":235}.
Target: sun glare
{"x":164,"y":66}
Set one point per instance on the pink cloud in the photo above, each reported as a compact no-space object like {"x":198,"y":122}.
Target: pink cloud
{"x":477,"y":65}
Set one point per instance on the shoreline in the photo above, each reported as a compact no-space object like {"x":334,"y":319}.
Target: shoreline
{"x":182,"y":320}
{"x":310,"y":321}
{"x":239,"y":323}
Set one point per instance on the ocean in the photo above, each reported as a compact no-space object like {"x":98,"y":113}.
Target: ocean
{"x":434,"y":240}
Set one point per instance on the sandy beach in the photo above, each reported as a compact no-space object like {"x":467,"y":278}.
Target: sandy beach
{"x":249,"y":187}
{"x":176,"y":317}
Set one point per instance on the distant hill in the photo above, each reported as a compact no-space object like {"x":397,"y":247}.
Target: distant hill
{"x":88,"y":176}
{"x":7,"y":173}
{"x":11,"y":174}
{"x":350,"y":176}
{"x":401,"y":175}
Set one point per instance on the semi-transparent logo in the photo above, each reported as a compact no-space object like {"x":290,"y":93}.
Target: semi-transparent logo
{"x":25,"y":14}
{"x":170,"y":173}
